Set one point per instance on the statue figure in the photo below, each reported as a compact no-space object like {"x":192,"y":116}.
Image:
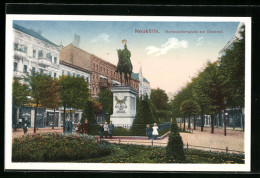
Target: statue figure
{"x":124,"y":66}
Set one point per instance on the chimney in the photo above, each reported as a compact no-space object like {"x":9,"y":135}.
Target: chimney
{"x":76,"y":40}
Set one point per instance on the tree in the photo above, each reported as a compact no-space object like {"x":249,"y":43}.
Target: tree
{"x":105,"y":98}
{"x":20,"y":95}
{"x":174,"y":148}
{"x":74,"y":93}
{"x":51,"y":96}
{"x":232,"y":66}
{"x":144,"y":116}
{"x":89,"y":113}
{"x":159,"y":100}
{"x":37,"y":83}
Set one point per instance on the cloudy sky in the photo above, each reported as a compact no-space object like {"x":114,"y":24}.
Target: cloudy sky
{"x":168,"y":59}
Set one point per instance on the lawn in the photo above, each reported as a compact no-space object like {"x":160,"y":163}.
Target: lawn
{"x":74,"y":148}
{"x":148,"y":154}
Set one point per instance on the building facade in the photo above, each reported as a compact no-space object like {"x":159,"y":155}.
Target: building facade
{"x":33,"y":53}
{"x":144,"y":84}
{"x":103,"y":73}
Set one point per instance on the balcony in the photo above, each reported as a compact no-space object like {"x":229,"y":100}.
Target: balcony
{"x":44,"y":62}
{"x":20,"y":75}
{"x":20,"y":54}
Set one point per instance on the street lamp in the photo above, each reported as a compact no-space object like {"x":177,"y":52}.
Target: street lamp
{"x":225,"y":125}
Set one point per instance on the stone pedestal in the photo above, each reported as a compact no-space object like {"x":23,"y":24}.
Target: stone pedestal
{"x":124,"y":106}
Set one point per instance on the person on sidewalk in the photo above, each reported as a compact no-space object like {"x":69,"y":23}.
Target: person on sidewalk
{"x":148,"y":131}
{"x":155,"y":131}
{"x":78,"y":129}
{"x":110,"y":129}
{"x":25,"y":128}
{"x":85,"y":126}
{"x":101,"y":131}
{"x":106,"y":129}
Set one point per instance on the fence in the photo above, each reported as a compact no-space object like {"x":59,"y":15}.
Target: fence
{"x":162,"y":144}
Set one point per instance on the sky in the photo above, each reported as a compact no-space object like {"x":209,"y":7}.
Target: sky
{"x":168,"y":60}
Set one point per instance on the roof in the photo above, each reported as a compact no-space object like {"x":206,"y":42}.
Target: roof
{"x":32,"y":33}
{"x":146,"y":80}
{"x":136,"y":76}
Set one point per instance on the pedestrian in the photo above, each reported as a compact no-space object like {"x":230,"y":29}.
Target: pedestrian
{"x":101,"y":131}
{"x":148,"y":131}
{"x":110,"y":129}
{"x":85,"y":126}
{"x":106,"y":129}
{"x":78,"y":129}
{"x":25,"y":128}
{"x":155,"y":131}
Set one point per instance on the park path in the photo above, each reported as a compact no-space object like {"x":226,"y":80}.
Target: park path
{"x":234,"y":139}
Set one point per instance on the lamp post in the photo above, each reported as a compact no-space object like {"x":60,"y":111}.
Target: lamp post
{"x":225,"y":124}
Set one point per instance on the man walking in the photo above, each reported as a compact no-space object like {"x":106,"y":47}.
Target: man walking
{"x":110,"y":129}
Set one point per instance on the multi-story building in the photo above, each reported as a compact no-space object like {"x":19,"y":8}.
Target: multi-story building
{"x":103,"y":73}
{"x":33,"y":53}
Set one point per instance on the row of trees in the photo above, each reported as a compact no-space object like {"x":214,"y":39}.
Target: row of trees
{"x":220,"y":85}
{"x":67,"y":92}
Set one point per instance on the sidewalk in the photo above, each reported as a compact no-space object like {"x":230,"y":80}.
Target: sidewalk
{"x":234,"y":139}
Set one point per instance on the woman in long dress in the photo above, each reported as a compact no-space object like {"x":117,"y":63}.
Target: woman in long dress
{"x":155,"y":131}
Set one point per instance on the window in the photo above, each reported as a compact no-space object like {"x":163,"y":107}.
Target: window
{"x":40,"y":54}
{"x":41,"y":72}
{"x":86,"y":79}
{"x":49,"y":57}
{"x":19,"y":47}
{"x":97,"y":78}
{"x":100,"y":69}
{"x":54,"y":75}
{"x":33,"y":70}
{"x":25,"y":69}
{"x":68,"y":73}
{"x":34,"y":53}
{"x":73,"y":74}
{"x":78,"y":75}
{"x":15,"y":66}
{"x":55,"y":60}
{"x":50,"y":73}
{"x":63,"y":72}
{"x":107,"y":71}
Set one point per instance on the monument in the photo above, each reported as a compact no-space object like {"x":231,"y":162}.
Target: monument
{"x":124,"y":96}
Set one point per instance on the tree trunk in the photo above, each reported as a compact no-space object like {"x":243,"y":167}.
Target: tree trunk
{"x":189,"y":123}
{"x":202,"y":121}
{"x":194,"y":122}
{"x":225,"y":123}
{"x":35,"y":114}
{"x":53,"y":119}
{"x":64,"y":113}
{"x":184,"y":123}
{"x":212,"y":123}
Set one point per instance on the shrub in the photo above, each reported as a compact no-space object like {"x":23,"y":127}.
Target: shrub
{"x":57,"y":147}
{"x":174,"y":126}
{"x":174,"y":149}
{"x":120,"y":131}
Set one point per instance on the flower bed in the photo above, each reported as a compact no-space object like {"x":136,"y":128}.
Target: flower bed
{"x":57,"y":148}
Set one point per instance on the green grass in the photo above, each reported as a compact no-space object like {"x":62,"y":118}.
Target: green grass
{"x":148,"y":154}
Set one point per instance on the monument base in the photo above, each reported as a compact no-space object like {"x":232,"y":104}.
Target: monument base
{"x":124,"y":106}
{"x":125,"y":122}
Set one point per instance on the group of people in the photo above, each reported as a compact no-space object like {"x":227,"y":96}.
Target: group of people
{"x":106,"y":129}
{"x":84,"y":127}
{"x":152,"y":134}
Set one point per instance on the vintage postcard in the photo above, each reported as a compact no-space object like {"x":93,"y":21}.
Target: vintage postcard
{"x":127,"y":93}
